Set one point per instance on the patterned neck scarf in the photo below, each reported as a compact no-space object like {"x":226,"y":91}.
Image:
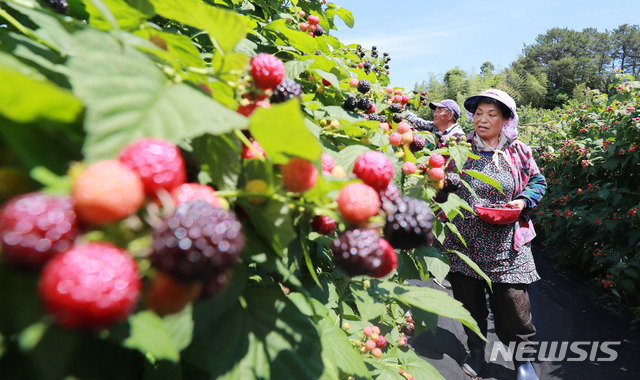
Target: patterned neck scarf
{"x":498,"y":151}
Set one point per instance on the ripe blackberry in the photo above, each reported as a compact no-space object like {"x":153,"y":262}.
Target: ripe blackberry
{"x":34,"y":227}
{"x":452,"y":182}
{"x":350,"y":104}
{"x":367,"y":65}
{"x":357,"y":251}
{"x":409,"y":223}
{"x":394,"y":107}
{"x":417,"y":144}
{"x":364,"y":103}
{"x":319,"y":31}
{"x":364,"y":86}
{"x":441,"y":196}
{"x":397,"y":118}
{"x":197,"y":241}
{"x":287,"y":89}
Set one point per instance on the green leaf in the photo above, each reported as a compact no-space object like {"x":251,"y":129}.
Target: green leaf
{"x":427,"y":299}
{"x":473,"y":266}
{"x":299,"y":39}
{"x":294,"y":68}
{"x":346,"y":16}
{"x":149,"y":335}
{"x":224,"y":166}
{"x":24,"y":99}
{"x":271,"y":339}
{"x":180,"y":327}
{"x":282,"y":133}
{"x":416,"y":366}
{"x":459,"y":154}
{"x":272,"y":221}
{"x":370,"y":307}
{"x":347,"y":156}
{"x":436,"y":262}
{"x":51,"y":30}
{"x":485,"y":178}
{"x":128,"y":97}
{"x":225,"y":28}
{"x":338,"y":349}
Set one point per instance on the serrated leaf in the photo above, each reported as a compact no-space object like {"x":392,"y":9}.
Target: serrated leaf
{"x":434,"y":261}
{"x":50,"y":30}
{"x":271,"y":339}
{"x":416,"y":366}
{"x":180,"y":327}
{"x":459,"y":154}
{"x":128,"y":97}
{"x":225,"y":28}
{"x":300,"y":40}
{"x":346,"y":16}
{"x":125,"y":16}
{"x":435,"y":301}
{"x":347,"y":156}
{"x":149,"y":335}
{"x":338,"y":349}
{"x":294,"y":68}
{"x":282,"y":133}
{"x":370,"y":308}
{"x":485,"y":178}
{"x":24,"y":99}
{"x":473,"y":266}
{"x":224,"y":166}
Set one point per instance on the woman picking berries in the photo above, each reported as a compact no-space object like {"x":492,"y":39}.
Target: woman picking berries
{"x":503,"y":252}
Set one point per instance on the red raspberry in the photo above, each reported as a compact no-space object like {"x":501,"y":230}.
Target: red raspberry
{"x":358,"y":202}
{"x":395,"y":139}
{"x":374,"y":169}
{"x":90,"y":286}
{"x":314,"y":20}
{"x":299,"y":175}
{"x":267,"y":71}
{"x":409,"y":168}
{"x":106,"y":192}
{"x":436,"y":174}
{"x":248,"y":109}
{"x":195,"y":191}
{"x":436,"y":160}
{"x":36,"y":226}
{"x":158,"y":163}
{"x":250,"y":154}
{"x":323,"y":224}
{"x":403,"y":127}
{"x":389,"y":261}
{"x":381,"y":342}
{"x":328,"y":163}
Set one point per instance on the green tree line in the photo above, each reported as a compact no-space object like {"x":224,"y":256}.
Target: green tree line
{"x":558,"y":66}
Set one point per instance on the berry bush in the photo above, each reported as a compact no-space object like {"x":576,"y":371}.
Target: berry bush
{"x":215,"y":190}
{"x":590,"y":151}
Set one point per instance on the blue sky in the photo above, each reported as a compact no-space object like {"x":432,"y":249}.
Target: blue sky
{"x":424,"y":37}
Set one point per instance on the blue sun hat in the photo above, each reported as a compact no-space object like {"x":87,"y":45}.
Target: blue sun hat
{"x":511,"y":128}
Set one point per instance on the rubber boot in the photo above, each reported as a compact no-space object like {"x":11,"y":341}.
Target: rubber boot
{"x":525,"y":371}
{"x":474,"y":361}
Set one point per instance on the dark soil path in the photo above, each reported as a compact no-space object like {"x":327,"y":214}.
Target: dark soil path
{"x":564,"y":309}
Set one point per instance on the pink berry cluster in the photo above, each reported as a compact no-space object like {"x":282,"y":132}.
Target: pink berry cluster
{"x":93,"y":285}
